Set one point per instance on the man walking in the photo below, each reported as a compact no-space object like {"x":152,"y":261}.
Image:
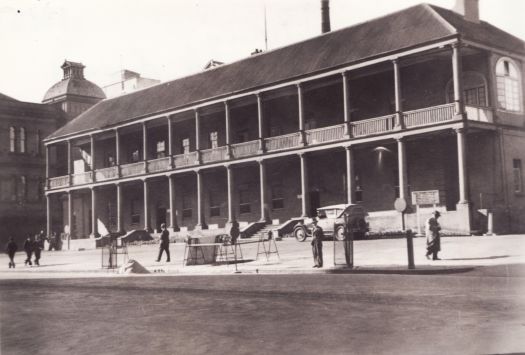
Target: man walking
{"x":38,"y":245}
{"x":11,"y":249}
{"x":317,"y":244}
{"x":28,"y":247}
{"x":432,"y":229}
{"x":164,"y":242}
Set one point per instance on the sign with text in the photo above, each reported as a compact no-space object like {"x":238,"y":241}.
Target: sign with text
{"x":430,"y":197}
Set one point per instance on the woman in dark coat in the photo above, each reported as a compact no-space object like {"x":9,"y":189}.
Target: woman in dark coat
{"x":317,"y":244}
{"x":11,"y":249}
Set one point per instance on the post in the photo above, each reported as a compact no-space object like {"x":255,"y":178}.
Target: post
{"x":94,"y":231}
{"x":197,"y":137}
{"x":69,"y":163}
{"x":398,"y":96}
{"x":47,"y":165}
{"x":48,"y":215}
{"x":262,"y":183}
{"x":70,"y":213}
{"x":350,"y":175}
{"x":402,"y":167}
{"x":117,"y":147}
{"x":305,"y":203}
{"x":457,"y":78}
{"x":120,"y":227}
{"x":173,"y":215}
{"x":92,"y":141}
{"x":229,"y":177}
{"x":170,"y":142}
{"x":145,"y":146}
{"x":200,"y":218}
{"x":300,"y":110}
{"x":228,"y":129}
{"x":260,"y":122}
{"x":410,"y":250}
{"x":346,"y":106}
{"x":146,"y":209}
{"x":462,"y":165}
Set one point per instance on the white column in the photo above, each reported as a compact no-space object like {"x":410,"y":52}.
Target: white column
{"x":457,"y":79}
{"x":300,"y":110}
{"x":260,"y":122}
{"x":462,"y":165}
{"x":120,"y":227}
{"x":48,"y":147}
{"x":398,"y":96}
{"x":346,"y":105}
{"x":145,"y":145}
{"x":117,"y":147}
{"x":200,"y":217}
{"x":146,"y":205}
{"x":402,"y":168}
{"x":70,"y":212}
{"x":197,"y":136}
{"x":305,"y":198}
{"x":170,"y":136}
{"x":173,"y":215}
{"x":48,"y":214}
{"x":228,"y":128}
{"x":92,"y":141}
{"x":229,"y":178}
{"x":262,"y":184}
{"x":350,"y":175}
{"x":69,"y":162}
{"x":94,"y":231}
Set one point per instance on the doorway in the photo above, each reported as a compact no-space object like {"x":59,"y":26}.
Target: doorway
{"x":315,"y":202}
{"x":161,"y":217}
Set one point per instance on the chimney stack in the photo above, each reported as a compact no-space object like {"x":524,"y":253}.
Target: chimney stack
{"x":325,"y":16}
{"x":469,"y":9}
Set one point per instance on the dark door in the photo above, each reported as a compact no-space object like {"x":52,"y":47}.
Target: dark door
{"x":314,"y":202}
{"x":161,"y":217}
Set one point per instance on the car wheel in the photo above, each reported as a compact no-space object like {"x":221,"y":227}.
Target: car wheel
{"x":300,"y":233}
{"x":340,"y":233}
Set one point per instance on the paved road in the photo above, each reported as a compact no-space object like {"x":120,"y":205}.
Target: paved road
{"x":469,"y":311}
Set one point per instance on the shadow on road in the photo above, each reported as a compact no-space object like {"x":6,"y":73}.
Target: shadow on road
{"x":386,"y":271}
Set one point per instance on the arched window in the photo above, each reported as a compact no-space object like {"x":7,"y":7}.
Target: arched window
{"x":22,"y":140}
{"x":509,"y":85}
{"x":12,"y":139}
{"x":474,"y":89}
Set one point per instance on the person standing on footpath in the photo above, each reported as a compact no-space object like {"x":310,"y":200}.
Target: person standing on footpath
{"x":38,"y":245}
{"x":11,"y":249}
{"x":28,"y":247}
{"x":234,"y":231}
{"x":432,"y":229}
{"x":317,"y":244}
{"x":164,"y":242}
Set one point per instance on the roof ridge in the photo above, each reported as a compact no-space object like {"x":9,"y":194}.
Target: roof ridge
{"x":440,"y":18}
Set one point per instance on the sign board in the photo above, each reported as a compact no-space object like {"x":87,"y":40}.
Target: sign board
{"x":400,"y":205}
{"x":430,"y":197}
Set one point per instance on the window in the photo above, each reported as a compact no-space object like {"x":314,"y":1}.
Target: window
{"x":38,"y":142}
{"x":7,"y":189}
{"x":243,"y":136}
{"x":161,"y":149}
{"x":12,"y":139}
{"x":244,"y":200}
{"x":21,"y":189}
{"x":474,"y":89}
{"x":475,"y":96}
{"x":135,"y":211}
{"x":186,"y":206}
{"x":215,"y":208}
{"x":277,"y":197}
{"x":517,"y":176}
{"x":508,"y":84}
{"x":185,"y":145}
{"x":214,"y":140}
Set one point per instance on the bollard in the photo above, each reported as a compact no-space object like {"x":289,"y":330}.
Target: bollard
{"x":410,"y":250}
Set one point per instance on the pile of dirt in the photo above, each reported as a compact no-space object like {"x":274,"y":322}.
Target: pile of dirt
{"x":132,"y":267}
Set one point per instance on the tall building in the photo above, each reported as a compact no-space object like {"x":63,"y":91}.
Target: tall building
{"x":127,"y":81}
{"x":23,"y":126}
{"x":425,"y":104}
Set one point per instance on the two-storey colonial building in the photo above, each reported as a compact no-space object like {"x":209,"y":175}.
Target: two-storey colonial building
{"x":422,"y":99}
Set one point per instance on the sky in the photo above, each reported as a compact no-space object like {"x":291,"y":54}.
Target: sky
{"x":168,"y":39}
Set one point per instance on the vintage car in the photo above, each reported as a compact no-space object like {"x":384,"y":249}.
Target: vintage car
{"x":332,"y":220}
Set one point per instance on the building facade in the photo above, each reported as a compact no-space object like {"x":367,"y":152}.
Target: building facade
{"x":127,"y":81}
{"x":423,"y":100}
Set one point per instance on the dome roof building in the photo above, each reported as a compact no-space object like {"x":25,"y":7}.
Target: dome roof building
{"x":74,"y":94}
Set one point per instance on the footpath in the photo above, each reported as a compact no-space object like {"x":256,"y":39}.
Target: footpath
{"x":386,"y":255}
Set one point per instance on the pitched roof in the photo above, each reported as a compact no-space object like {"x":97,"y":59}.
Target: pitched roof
{"x":13,"y":108}
{"x":394,"y":32}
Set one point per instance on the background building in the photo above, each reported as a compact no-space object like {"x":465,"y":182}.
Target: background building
{"x":422,"y":102}
{"x":127,"y":81}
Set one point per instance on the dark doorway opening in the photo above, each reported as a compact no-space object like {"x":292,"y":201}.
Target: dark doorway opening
{"x":161,"y":217}
{"x":315,"y":202}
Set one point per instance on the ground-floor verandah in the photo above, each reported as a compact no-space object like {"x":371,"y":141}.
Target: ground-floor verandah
{"x":276,"y":189}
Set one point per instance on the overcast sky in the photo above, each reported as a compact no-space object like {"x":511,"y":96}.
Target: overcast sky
{"x":167,"y":39}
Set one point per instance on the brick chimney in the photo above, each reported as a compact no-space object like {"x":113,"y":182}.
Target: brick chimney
{"x":469,"y":9}
{"x":325,"y":16}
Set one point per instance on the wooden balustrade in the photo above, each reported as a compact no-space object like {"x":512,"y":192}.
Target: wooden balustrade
{"x":214,"y":154}
{"x":245,"y":149}
{"x":106,"y":173}
{"x":325,"y":134}
{"x":160,"y":164}
{"x":286,"y":141}
{"x":82,"y":178}
{"x":428,"y":115}
{"x":58,"y":182}
{"x":187,"y":159}
{"x":373,"y":126}
{"x":132,"y":169}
